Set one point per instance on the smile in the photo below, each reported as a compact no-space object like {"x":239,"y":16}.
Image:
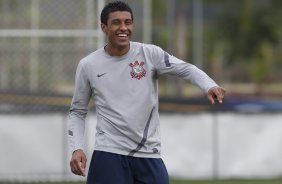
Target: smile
{"x":122,"y":35}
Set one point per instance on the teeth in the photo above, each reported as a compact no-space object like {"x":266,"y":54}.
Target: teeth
{"x":122,"y":35}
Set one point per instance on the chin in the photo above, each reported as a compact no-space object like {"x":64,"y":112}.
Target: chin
{"x":123,"y":44}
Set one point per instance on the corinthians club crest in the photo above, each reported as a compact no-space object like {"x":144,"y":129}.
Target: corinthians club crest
{"x":137,"y":70}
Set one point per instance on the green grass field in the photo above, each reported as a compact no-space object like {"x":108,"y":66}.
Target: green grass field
{"x":237,"y":181}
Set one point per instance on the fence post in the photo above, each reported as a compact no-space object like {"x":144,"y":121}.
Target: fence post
{"x":215,"y":146}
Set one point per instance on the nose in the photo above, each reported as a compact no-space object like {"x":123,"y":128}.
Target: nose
{"x":123,"y":26}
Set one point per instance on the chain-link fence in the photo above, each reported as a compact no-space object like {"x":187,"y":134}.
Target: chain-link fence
{"x":41,"y":42}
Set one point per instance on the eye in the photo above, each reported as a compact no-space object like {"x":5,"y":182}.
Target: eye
{"x":128,"y":22}
{"x":115,"y":22}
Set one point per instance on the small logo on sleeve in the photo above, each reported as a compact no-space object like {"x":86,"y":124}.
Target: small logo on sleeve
{"x":137,"y":70}
{"x":70,"y":133}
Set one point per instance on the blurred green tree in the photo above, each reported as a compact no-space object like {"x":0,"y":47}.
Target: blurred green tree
{"x":250,"y":36}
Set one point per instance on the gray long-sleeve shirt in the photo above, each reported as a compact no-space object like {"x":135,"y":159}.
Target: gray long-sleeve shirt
{"x":126,"y":94}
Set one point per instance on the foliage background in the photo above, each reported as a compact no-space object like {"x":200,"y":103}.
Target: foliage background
{"x":241,"y":41}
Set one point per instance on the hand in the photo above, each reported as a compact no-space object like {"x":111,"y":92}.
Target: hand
{"x":78,"y":162}
{"x":216,"y":94}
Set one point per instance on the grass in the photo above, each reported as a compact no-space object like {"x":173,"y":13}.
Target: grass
{"x":274,"y":181}
{"x":235,"y":181}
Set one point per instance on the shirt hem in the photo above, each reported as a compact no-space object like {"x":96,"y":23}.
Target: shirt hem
{"x":126,"y":153}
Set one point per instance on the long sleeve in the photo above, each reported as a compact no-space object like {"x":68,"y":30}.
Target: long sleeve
{"x":168,"y":64}
{"x":78,"y":110}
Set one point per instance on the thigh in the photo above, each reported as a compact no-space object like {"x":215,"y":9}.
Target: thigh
{"x":109,"y":168}
{"x":150,"y":171}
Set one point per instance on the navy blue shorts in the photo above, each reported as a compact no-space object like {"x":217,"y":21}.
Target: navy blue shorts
{"x":110,"y":168}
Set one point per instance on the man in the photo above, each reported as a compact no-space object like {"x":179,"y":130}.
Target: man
{"x":122,"y":79}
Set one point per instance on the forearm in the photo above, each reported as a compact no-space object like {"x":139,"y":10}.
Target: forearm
{"x":78,"y":110}
{"x":76,"y":129}
{"x":189,"y":73}
{"x":200,"y":79}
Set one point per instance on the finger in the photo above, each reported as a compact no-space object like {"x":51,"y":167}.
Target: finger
{"x":83,"y":166}
{"x":211,"y":98}
{"x":221,"y":94}
{"x":79,"y":168}
{"x":211,"y":95}
{"x":74,"y":167}
{"x":218,"y":96}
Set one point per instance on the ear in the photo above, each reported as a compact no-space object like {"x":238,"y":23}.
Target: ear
{"x":104,"y":28}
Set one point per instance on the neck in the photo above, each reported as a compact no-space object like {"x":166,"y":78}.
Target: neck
{"x":116,"y":51}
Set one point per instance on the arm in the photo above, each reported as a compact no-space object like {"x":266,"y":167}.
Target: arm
{"x":169,"y":64}
{"x":76,"y":121}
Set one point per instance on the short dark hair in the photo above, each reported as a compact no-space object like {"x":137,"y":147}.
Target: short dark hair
{"x":113,"y":7}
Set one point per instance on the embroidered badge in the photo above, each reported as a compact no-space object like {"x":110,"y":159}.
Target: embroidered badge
{"x":137,"y":70}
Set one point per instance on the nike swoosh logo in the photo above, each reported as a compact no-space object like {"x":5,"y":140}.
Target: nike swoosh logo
{"x":100,"y":75}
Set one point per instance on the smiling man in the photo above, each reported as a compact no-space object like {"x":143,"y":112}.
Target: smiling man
{"x":118,"y":28}
{"x":122,"y":79}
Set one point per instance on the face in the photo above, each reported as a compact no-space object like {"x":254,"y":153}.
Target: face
{"x":118,"y":29}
